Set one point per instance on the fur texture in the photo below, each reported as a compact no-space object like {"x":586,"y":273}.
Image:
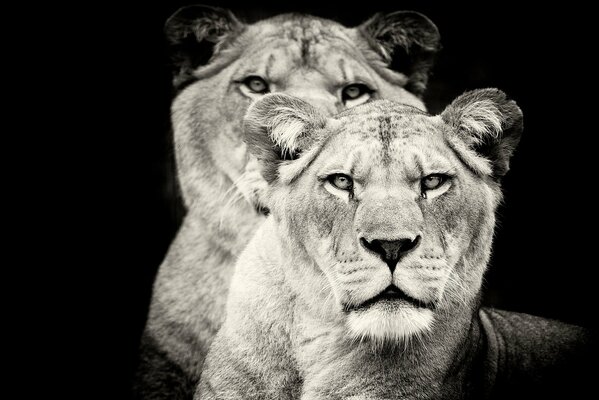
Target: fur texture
{"x":214,"y":55}
{"x":309,"y":313}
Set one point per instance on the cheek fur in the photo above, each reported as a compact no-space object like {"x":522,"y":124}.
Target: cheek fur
{"x":445,"y":213}
{"x":460,"y":220}
{"x":456,"y":212}
{"x":316,"y":214}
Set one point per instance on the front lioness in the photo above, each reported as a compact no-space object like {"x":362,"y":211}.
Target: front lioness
{"x":223,"y":65}
{"x":364,"y":282}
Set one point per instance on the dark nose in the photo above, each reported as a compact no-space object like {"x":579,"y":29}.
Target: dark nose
{"x":391,"y":250}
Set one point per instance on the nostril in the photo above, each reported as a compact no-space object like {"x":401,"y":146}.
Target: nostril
{"x":374,"y":245}
{"x":410,"y":244}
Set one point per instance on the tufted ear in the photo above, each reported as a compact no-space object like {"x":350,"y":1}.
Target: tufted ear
{"x":408,"y":42}
{"x":195,"y":34}
{"x":486,"y":130}
{"x":280,"y":127}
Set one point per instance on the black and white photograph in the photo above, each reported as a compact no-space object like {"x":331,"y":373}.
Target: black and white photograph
{"x":312,"y":200}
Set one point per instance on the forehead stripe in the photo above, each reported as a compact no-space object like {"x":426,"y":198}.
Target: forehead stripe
{"x":269,"y":63}
{"x":385,"y":133}
{"x":341,"y":65}
{"x":305,"y":50}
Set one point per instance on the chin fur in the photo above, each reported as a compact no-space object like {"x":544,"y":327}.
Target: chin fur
{"x":389,"y":325}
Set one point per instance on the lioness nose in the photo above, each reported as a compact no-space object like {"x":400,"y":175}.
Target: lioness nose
{"x":391,"y":250}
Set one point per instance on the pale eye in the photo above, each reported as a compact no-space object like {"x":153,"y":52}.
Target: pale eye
{"x":256,"y":84}
{"x":432,"y":182}
{"x":354,"y":92}
{"x":342,"y":182}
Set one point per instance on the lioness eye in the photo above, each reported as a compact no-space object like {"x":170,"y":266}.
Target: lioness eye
{"x":341,"y":181}
{"x":256,"y":84}
{"x":432,"y":182}
{"x":354,"y":91}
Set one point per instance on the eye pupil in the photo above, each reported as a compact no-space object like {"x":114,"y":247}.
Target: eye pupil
{"x":355,"y":91}
{"x":256,"y":84}
{"x":342,"y":182}
{"x":352,"y":92}
{"x":432,"y":182}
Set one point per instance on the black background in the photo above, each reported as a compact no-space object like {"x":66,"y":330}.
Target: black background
{"x":543,"y":260}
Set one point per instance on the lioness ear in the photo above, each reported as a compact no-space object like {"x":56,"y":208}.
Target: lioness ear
{"x":486,"y":122}
{"x":408,"y":42}
{"x":279,"y":127}
{"x":195,"y":34}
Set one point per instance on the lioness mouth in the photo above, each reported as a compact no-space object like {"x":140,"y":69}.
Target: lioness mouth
{"x":392,"y":294}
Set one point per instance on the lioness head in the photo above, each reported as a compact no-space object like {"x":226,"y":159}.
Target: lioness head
{"x":392,"y":208}
{"x":222,"y":65}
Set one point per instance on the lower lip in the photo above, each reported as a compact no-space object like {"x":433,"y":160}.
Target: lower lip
{"x":397,"y":299}
{"x":391,"y":299}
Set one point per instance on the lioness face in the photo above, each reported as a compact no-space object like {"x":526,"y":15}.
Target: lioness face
{"x":322,"y":62}
{"x":395,"y":212}
{"x":317,"y":62}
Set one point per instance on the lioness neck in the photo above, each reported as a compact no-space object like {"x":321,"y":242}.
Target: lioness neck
{"x":194,"y":274}
{"x":228,"y":221}
{"x":435,"y":366}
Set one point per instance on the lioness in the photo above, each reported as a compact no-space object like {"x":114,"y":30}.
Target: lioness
{"x":364,"y":281}
{"x":222,"y":65}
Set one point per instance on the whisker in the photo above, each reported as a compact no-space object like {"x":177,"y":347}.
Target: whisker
{"x":236,"y":197}
{"x":234,"y":186}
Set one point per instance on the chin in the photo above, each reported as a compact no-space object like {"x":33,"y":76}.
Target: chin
{"x":389,"y":322}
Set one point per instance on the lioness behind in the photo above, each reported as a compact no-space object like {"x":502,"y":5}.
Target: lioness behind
{"x":222,"y":65}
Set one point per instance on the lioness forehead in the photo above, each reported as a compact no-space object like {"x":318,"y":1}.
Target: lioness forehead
{"x":299,"y":27}
{"x":303,"y":37}
{"x":384,"y":133}
{"x":385,"y":121}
